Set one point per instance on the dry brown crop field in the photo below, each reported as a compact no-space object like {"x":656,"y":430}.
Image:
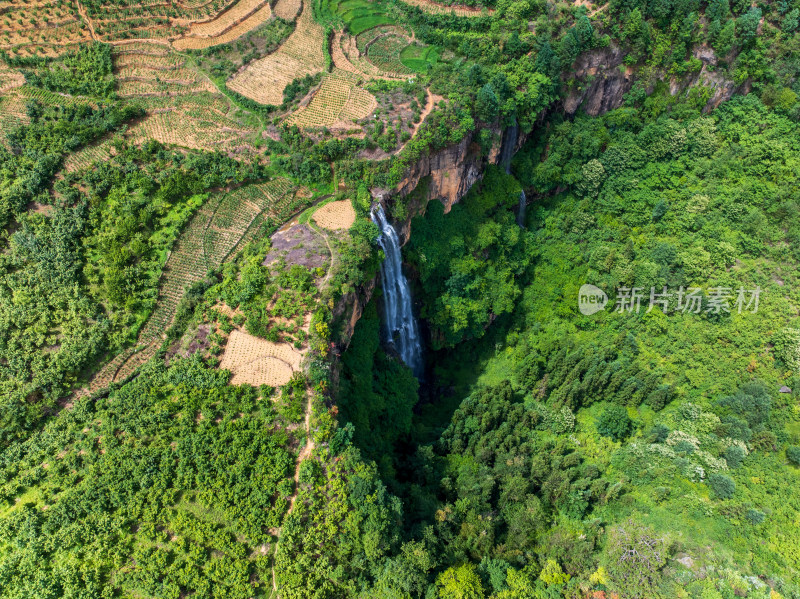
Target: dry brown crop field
{"x":50,"y":27}
{"x":336,"y":216}
{"x":288,"y":9}
{"x":337,"y":103}
{"x":245,"y":16}
{"x":265,"y":79}
{"x":184,"y":108}
{"x":257,"y":361}
{"x":43,"y":28}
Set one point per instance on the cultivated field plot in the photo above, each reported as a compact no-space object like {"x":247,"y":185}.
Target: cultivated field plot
{"x":12,"y":112}
{"x":418,"y":58}
{"x":364,"y":38}
{"x":384,"y":53}
{"x":337,"y":103}
{"x":435,"y":8}
{"x":126,"y":19}
{"x":237,"y":214}
{"x":265,"y":79}
{"x":288,"y":9}
{"x":88,"y":155}
{"x":200,"y":121}
{"x":257,"y":361}
{"x":243,"y":17}
{"x":360,"y":15}
{"x":10,"y":78}
{"x":42,"y":28}
{"x":153,"y":70}
{"x":336,"y":216}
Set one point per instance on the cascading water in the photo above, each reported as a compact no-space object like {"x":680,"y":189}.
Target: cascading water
{"x":509,"y":144}
{"x":506,"y":153}
{"x":400,"y":325}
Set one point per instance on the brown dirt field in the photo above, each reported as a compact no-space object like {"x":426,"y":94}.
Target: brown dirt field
{"x":336,"y":216}
{"x":288,"y":9}
{"x":301,"y":54}
{"x":197,"y":41}
{"x":436,"y":8}
{"x":259,"y":362}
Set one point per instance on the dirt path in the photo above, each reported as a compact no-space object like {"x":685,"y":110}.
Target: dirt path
{"x":320,"y":231}
{"x":305,"y":453}
{"x":85,"y":17}
{"x":432,"y":100}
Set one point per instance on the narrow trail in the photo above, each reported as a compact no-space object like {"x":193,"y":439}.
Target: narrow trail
{"x":85,"y":17}
{"x":321,"y":232}
{"x":305,"y":453}
{"x":432,"y":100}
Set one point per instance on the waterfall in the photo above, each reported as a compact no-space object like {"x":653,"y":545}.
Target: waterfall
{"x":507,"y":149}
{"x":521,"y":210}
{"x":400,"y":325}
{"x":506,"y":154}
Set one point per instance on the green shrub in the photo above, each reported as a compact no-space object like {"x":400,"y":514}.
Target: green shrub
{"x":734,"y":455}
{"x":793,"y":454}
{"x":615,"y":423}
{"x":723,"y":486}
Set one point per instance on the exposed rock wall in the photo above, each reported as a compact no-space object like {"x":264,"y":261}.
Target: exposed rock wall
{"x":601,"y":80}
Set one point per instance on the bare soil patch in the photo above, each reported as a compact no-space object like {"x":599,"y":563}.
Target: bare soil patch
{"x":257,"y":361}
{"x":298,"y":245}
{"x":336,"y":216}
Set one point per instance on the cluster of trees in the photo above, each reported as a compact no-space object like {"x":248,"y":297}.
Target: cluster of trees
{"x":166,"y":487}
{"x":470,"y":260}
{"x":85,"y":71}
{"x":81,"y":276}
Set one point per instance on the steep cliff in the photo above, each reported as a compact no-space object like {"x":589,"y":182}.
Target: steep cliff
{"x":598,"y":84}
{"x":601,"y":80}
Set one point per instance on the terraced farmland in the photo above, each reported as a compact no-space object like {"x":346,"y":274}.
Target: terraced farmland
{"x":184,"y":108}
{"x":337,"y":103}
{"x":418,"y":58}
{"x":42,"y":28}
{"x":438,"y":9}
{"x":288,"y":9}
{"x":136,"y":20}
{"x":384,"y":53}
{"x":302,"y":54}
{"x":152,"y":70}
{"x":242,"y":18}
{"x":359,"y":15}
{"x":214,"y":234}
{"x":87,"y":156}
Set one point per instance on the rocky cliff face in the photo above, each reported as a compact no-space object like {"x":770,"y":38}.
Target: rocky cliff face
{"x":449,"y":174}
{"x":601,"y":80}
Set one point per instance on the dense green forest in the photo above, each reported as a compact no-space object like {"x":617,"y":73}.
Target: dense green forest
{"x":574,"y":438}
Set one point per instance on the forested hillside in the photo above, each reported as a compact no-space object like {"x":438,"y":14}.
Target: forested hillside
{"x":199,"y":393}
